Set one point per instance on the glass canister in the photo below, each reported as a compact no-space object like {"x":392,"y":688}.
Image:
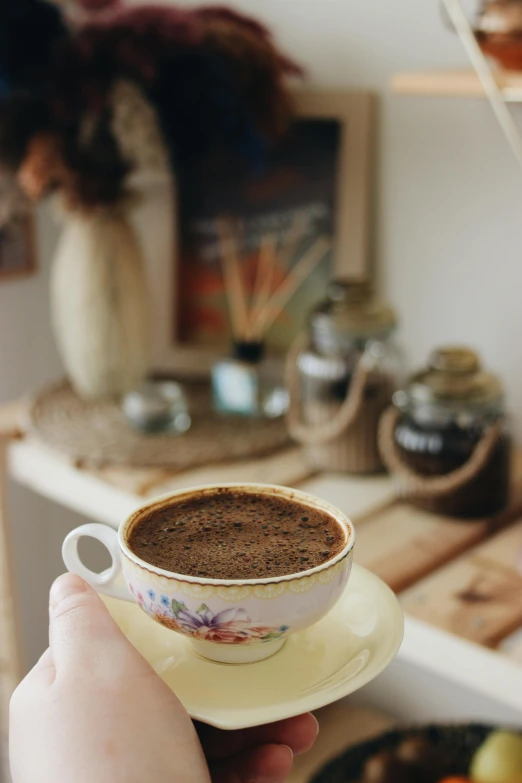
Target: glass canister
{"x":446,"y":437}
{"x":340,"y":376}
{"x":499,"y":32}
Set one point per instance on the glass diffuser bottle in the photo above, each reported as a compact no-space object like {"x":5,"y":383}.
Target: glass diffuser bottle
{"x":248,"y":384}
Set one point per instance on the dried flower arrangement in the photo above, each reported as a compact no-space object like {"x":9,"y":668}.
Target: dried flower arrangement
{"x":90,"y":91}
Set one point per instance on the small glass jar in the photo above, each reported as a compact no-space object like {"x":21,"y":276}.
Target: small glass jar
{"x":446,"y":438}
{"x":341,"y":376}
{"x":157,"y":407}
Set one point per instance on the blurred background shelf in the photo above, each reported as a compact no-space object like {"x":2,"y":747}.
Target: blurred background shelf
{"x":463,"y":83}
{"x":459,"y":583}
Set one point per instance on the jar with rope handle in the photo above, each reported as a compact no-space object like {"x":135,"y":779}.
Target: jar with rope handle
{"x":446,"y":438}
{"x":341,"y":375}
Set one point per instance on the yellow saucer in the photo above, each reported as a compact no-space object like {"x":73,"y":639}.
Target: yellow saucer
{"x":337,"y":656}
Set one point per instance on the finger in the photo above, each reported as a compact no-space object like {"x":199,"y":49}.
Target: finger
{"x":44,"y":662}
{"x":81,"y":631}
{"x":45,"y":665}
{"x":298,"y":733}
{"x":265,"y":764}
{"x":36,"y":682}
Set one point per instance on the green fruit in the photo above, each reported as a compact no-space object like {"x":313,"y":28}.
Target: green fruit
{"x":499,"y":759}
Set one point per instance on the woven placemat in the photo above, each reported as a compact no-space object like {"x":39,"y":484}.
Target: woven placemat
{"x":96,"y":434}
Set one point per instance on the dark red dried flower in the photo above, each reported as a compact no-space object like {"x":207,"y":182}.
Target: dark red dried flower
{"x":214,"y":77}
{"x":43,"y":167}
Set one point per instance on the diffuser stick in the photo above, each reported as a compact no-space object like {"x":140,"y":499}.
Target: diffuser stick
{"x":261,"y":311}
{"x":262,"y":291}
{"x":233,"y":283}
{"x":260,"y":271}
{"x":296,"y":277}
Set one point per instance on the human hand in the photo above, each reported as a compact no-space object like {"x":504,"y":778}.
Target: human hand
{"x":259,"y":755}
{"x":93,"y":709}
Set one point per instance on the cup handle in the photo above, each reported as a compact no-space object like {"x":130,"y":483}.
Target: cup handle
{"x":109,"y":582}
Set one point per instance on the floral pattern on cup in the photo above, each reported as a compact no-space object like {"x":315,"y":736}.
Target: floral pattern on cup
{"x":230,"y":626}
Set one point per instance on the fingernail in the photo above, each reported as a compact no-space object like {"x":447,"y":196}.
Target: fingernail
{"x":316,"y":723}
{"x":64,"y":586}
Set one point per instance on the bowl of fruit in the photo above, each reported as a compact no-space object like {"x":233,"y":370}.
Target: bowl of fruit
{"x":472,"y":753}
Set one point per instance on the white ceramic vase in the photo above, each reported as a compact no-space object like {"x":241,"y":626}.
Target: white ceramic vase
{"x":99,"y":304}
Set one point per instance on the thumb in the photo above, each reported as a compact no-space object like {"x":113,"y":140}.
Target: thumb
{"x":81,"y":631}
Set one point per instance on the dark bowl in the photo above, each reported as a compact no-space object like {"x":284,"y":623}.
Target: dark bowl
{"x":457,"y":744}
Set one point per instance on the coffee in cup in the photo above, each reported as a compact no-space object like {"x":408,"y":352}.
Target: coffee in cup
{"x":230,"y":534}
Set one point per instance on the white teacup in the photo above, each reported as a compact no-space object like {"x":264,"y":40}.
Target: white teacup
{"x":231,"y":621}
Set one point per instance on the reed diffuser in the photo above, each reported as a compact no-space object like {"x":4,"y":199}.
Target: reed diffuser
{"x":246,"y":383}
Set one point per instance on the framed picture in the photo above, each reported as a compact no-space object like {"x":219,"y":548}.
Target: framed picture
{"x":313,"y":188}
{"x":17,"y":248}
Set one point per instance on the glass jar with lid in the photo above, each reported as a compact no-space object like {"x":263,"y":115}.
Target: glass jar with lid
{"x":341,"y":375}
{"x":446,"y":439}
{"x":499,"y":32}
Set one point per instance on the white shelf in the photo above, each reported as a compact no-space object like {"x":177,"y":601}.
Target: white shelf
{"x":48,"y":475}
{"x":462,"y":83}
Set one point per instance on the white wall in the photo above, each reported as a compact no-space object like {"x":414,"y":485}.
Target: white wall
{"x":448,"y":226}
{"x":27,"y":359}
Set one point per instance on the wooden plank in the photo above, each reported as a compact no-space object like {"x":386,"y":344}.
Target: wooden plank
{"x":402,"y":544}
{"x":455,"y":84}
{"x":478,"y":596}
{"x":288,"y":467}
{"x":11,"y":661}
{"x":340,"y":727}
{"x":136,"y":481}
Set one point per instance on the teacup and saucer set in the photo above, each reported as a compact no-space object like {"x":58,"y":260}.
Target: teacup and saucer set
{"x":241,"y":653}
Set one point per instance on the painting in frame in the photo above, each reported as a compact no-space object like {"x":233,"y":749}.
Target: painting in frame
{"x":317,"y":178}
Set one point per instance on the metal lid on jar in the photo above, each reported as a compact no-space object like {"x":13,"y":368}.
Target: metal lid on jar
{"x":454,"y":375}
{"x":350,"y":311}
